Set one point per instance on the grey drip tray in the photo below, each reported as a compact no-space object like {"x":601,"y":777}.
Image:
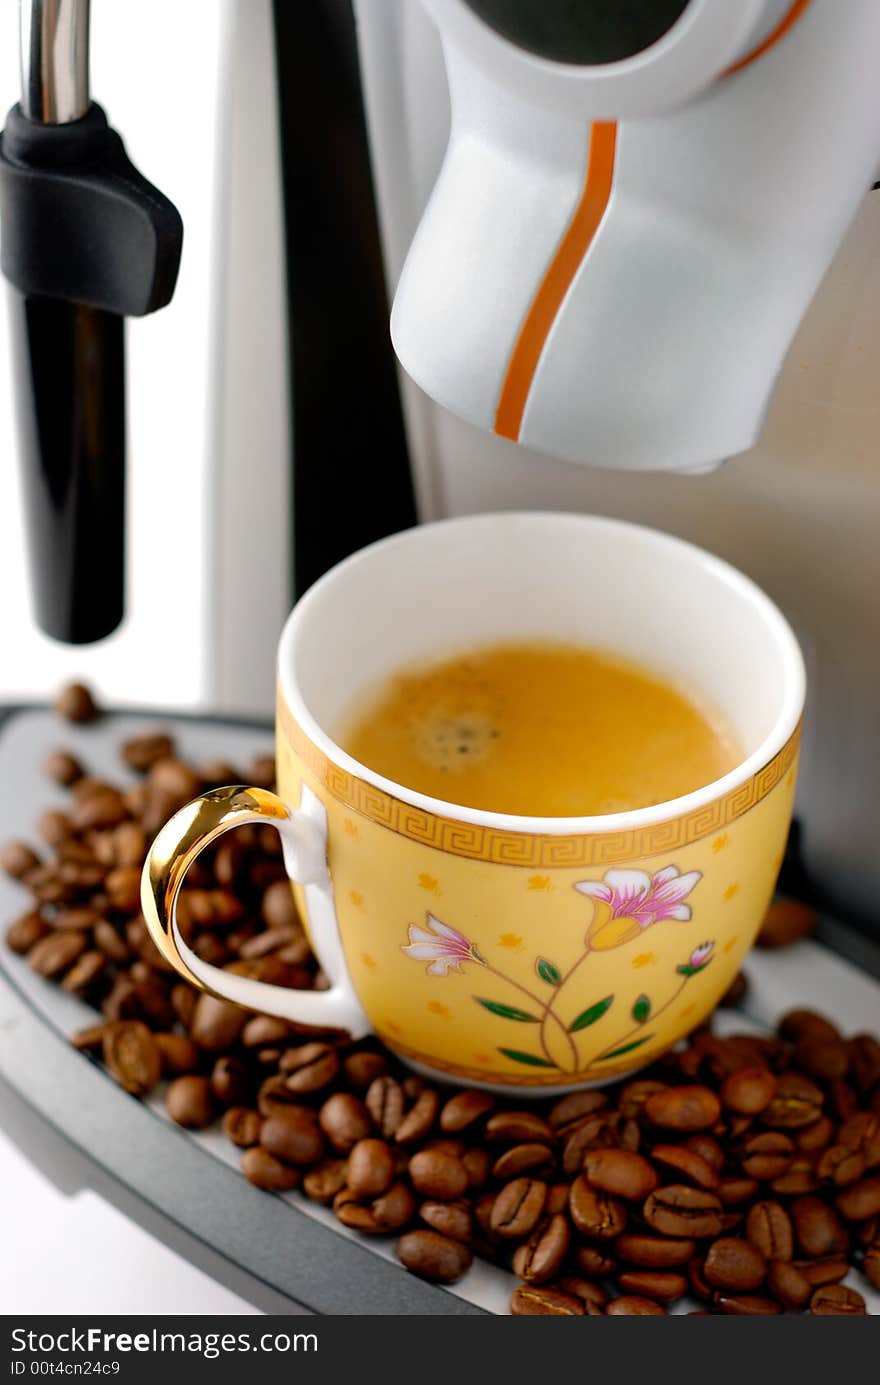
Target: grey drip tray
{"x":275,"y":1249}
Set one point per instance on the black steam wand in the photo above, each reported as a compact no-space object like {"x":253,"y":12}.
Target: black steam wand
{"x":86,"y":242}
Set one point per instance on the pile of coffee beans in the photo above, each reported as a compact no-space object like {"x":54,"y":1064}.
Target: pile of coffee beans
{"x":742,"y":1171}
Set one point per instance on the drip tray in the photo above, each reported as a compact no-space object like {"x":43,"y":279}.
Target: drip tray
{"x":293,"y":1245}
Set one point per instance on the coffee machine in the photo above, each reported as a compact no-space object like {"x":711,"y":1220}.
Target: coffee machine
{"x":621,"y":241}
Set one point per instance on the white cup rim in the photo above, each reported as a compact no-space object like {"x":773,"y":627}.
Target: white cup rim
{"x":786,"y":723}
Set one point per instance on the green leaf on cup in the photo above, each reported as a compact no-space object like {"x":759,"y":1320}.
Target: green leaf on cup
{"x":548,"y":972}
{"x":507,"y":1012}
{"x":530,"y":1059}
{"x":626,"y":1048}
{"x":642,"y":1009}
{"x":591,"y":1014}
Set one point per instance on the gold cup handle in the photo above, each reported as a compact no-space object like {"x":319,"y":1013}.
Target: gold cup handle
{"x":304,"y":840}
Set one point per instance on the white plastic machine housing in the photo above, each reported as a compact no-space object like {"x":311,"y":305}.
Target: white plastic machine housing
{"x":728,"y":198}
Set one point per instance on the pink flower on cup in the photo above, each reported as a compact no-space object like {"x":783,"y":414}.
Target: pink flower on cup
{"x":699,"y":958}
{"x":626,"y":902}
{"x":443,"y":947}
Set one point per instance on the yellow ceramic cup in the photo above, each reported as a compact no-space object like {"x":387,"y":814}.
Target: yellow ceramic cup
{"x":527,"y":952}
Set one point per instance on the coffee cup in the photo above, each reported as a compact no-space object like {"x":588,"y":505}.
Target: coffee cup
{"x":525,"y":952}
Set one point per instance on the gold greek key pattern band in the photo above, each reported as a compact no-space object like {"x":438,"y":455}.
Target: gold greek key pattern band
{"x":534,"y":851}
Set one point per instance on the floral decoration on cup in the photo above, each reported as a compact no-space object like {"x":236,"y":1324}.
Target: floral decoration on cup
{"x":625,"y":904}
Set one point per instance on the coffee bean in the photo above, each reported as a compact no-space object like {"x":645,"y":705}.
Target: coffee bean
{"x":540,"y":1259}
{"x":129,"y":844}
{"x":419,"y":1121}
{"x":278,"y":906}
{"x":520,"y":1159}
{"x":621,"y":1172}
{"x":824,"y":1059}
{"x":86,"y":970}
{"x":837,"y":1299}
{"x":592,"y":1262}
{"x":632,"y":1306}
{"x":766,"y":1156}
{"x":768,"y":1226}
{"x":385,"y":1103}
{"x":26,"y":931}
{"x":682,"y":1211}
{"x":123,"y":886}
{"x":310,"y":1068}
{"x":591,"y":1295}
{"x":453,"y":1219}
{"x":190,"y":1102}
{"x":216,"y":1024}
{"x":477,"y":1164}
{"x":595,"y":1213}
{"x":325,"y":1180}
{"x":265,"y":1171}
{"x":840,"y":1166}
{"x":748,"y":1091}
{"x":518,"y":1127}
{"x":142,"y":752}
{"x":18,"y":860}
{"x":518,"y":1207}
{"x":62,"y":767}
{"x":686,"y":1162}
{"x":829,"y":1270}
{"x":390,"y":1211}
{"x":683,"y":1108}
{"x":344,"y":1120}
{"x":90,"y":1039}
{"x":531,"y":1300}
{"x":54,"y":827}
{"x":294,"y":1136}
{"x":815,"y":1136}
{"x":53,"y":955}
{"x":573,"y":1108}
{"x":172,"y":781}
{"x":746,"y":1305}
{"x":102,"y":808}
{"x":817,"y":1228}
{"x":265,"y":1031}
{"x":463,"y":1110}
{"x":708,"y":1148}
{"x":788,"y":1285}
{"x":371,"y":1167}
{"x":653,"y":1252}
{"x":361,"y":1069}
{"x":735,"y":1191}
{"x":437,"y":1175}
{"x":230,"y":1082}
{"x":862,"y":1132}
{"x":734,"y":1264}
{"x":592,"y":1132}
{"x":179,"y":1054}
{"x":871,"y":1264}
{"x":131,"y":1054}
{"x":242,"y":1126}
{"x":786,"y":921}
{"x":860,"y":1201}
{"x":802,"y":1023}
{"x":658,"y":1285}
{"x":797,"y":1102}
{"x":76,"y":703}
{"x":864,"y":1059}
